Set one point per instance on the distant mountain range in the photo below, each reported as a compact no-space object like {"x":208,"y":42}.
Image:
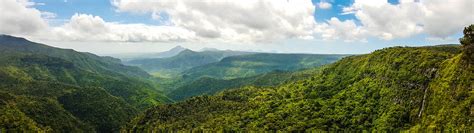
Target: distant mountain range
{"x":186,"y":59}
{"x":177,"y":74}
{"x":133,"y":56}
{"x":253,"y":64}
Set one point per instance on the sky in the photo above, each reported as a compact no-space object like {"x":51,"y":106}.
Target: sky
{"x":287,"y":26}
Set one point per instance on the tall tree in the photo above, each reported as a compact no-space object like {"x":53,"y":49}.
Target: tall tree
{"x":467,"y":43}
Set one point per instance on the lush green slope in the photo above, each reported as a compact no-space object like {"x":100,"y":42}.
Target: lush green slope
{"x":209,"y":86}
{"x":401,"y":88}
{"x":87,"y":61}
{"x":172,"y":66}
{"x":63,"y":90}
{"x":254,"y":64}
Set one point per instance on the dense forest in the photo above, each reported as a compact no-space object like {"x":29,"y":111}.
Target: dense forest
{"x":208,"y":86}
{"x":46,"y":88}
{"x":392,"y":89}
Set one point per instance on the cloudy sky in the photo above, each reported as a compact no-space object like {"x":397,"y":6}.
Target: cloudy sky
{"x":292,"y":26}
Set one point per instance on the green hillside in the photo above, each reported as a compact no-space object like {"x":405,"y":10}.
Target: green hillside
{"x":62,"y":90}
{"x":103,"y":65}
{"x":209,"y":86}
{"x":254,"y":64}
{"x":186,"y":59}
{"x":400,"y":88}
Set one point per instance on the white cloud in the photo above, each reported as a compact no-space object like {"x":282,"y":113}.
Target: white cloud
{"x":439,"y":18}
{"x":18,"y":17}
{"x":230,"y":20}
{"x":324,"y":5}
{"x":444,"y":18}
{"x":48,"y":15}
{"x":83,"y":27}
{"x":246,"y":21}
{"x":342,"y":30}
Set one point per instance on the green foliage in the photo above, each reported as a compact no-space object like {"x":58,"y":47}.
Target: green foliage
{"x":393,"y":89}
{"x":13,"y":120}
{"x":67,"y":91}
{"x":209,"y":86}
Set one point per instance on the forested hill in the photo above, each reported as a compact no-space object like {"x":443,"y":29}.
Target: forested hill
{"x":399,"y":88}
{"x":60,"y":90}
{"x":86,"y":61}
{"x":254,"y":64}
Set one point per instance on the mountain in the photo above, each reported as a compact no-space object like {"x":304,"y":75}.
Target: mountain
{"x":170,"y":53}
{"x":393,"y":89}
{"x":172,"y":66}
{"x":165,"y":54}
{"x":61,"y":90}
{"x":254,"y":64}
{"x":210,"y":86}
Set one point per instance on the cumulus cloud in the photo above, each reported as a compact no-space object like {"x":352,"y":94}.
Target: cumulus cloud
{"x":18,"y":17}
{"x":94,"y":28}
{"x":243,"y":20}
{"x":437,"y":18}
{"x":342,"y":30}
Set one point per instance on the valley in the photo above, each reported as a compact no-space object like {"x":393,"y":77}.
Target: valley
{"x":48,"y":89}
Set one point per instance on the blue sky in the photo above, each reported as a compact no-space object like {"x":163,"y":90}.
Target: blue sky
{"x":335,"y":29}
{"x":64,"y":9}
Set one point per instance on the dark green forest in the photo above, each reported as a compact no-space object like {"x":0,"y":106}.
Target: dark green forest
{"x":208,"y":86}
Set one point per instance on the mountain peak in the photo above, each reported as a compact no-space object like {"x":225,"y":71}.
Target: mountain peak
{"x":178,"y":48}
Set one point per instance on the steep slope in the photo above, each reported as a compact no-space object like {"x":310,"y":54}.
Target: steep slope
{"x":186,"y":59}
{"x":400,"y":88}
{"x":60,"y":107}
{"x":42,"y":62}
{"x":63,"y":90}
{"x":254,"y":64}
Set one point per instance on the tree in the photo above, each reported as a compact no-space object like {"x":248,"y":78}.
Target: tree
{"x":468,"y":43}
